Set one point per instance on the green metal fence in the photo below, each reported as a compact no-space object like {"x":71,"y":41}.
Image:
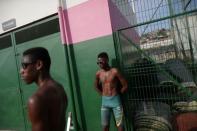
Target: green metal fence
{"x":160,"y":64}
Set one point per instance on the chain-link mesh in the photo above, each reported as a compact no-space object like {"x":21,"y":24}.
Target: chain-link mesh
{"x":159,"y":64}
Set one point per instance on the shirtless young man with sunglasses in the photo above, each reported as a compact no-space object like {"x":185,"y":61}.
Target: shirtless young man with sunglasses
{"x":106,"y":84}
{"x":47,"y":106}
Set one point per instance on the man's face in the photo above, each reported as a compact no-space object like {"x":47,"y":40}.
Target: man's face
{"x":28,"y":70}
{"x":102,"y":62}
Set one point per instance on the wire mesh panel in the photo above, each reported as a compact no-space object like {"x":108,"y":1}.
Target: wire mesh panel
{"x":160,"y":64}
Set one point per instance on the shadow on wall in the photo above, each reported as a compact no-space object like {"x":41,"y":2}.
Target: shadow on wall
{"x":124,"y":98}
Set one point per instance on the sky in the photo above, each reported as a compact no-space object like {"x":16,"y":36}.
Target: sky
{"x":147,"y":10}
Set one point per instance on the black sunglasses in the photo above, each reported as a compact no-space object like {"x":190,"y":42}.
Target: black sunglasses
{"x":100,"y":62}
{"x":25,"y":65}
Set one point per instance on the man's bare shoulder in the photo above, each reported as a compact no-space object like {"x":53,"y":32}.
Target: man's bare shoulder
{"x":99,"y":72}
{"x":50,"y":85}
{"x":35,"y":104}
{"x":114,"y":70}
{"x":34,"y":99}
{"x":37,"y":96}
{"x":50,"y":90}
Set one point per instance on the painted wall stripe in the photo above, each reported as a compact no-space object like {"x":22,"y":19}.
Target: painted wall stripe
{"x":93,"y":19}
{"x":87,"y":21}
{"x":62,"y":25}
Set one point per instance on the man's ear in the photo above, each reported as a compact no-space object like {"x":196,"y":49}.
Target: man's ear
{"x":39,"y":65}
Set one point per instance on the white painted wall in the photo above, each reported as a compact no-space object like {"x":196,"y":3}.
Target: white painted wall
{"x":27,"y":11}
{"x":182,"y":35}
{"x":71,"y":3}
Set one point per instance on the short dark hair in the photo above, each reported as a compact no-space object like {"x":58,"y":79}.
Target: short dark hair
{"x":39,"y":53}
{"x":103,"y":55}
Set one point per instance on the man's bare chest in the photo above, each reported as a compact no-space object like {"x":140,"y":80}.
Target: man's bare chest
{"x":107,"y":77}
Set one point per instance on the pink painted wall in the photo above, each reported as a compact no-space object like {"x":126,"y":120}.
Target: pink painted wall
{"x":94,"y":19}
{"x":87,"y":21}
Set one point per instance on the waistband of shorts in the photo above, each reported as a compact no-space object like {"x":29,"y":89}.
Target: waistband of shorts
{"x":110,"y":97}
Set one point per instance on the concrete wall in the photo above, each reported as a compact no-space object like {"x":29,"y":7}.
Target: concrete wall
{"x":27,"y":11}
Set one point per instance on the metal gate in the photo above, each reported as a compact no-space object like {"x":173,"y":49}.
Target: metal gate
{"x":158,"y":56}
{"x":14,"y":92}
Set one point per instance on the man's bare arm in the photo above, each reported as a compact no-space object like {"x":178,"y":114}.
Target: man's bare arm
{"x":35,"y":114}
{"x":122,"y":81}
{"x":97,"y":84}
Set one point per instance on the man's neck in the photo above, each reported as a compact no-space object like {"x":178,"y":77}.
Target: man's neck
{"x":42,"y":79}
{"x":107,"y":68}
